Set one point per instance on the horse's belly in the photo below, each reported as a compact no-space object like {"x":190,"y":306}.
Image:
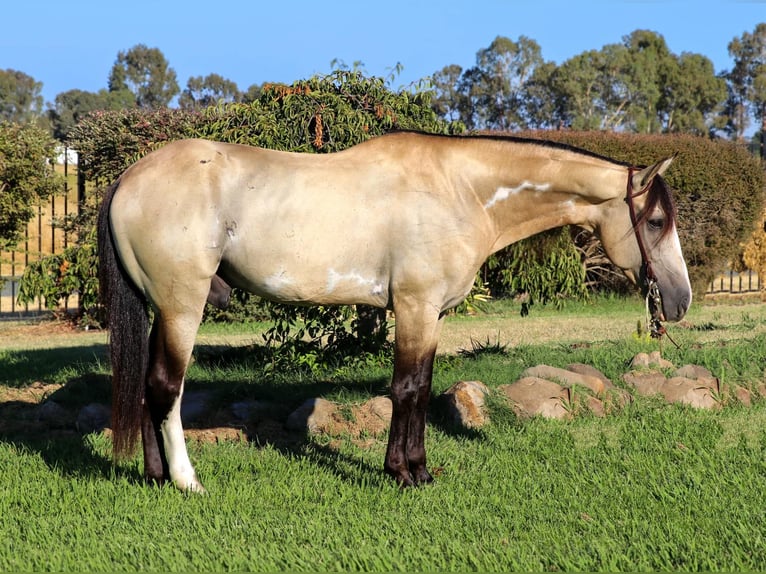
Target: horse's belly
{"x":311,"y":284}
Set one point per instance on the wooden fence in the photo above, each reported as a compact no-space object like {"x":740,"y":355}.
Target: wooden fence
{"x":41,"y":238}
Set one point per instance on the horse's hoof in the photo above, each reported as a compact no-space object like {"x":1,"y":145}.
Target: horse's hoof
{"x":192,"y":486}
{"x":422,"y":476}
{"x":403,"y":477}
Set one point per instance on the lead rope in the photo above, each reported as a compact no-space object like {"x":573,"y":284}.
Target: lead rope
{"x":653,"y":297}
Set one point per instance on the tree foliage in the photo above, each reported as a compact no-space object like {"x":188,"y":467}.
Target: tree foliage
{"x":747,"y":81}
{"x":26,"y":177}
{"x":72,"y":106}
{"x":146,"y":73}
{"x":20,"y":99}
{"x":204,"y":92}
{"x":637,"y":86}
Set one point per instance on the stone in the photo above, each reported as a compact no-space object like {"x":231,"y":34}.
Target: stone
{"x":54,"y":415}
{"x":591,"y":371}
{"x":194,"y":405}
{"x":465,"y":403}
{"x":565,"y":377}
{"x":689,"y":392}
{"x":93,"y":418}
{"x":245,"y":411}
{"x":314,"y":416}
{"x":653,"y":359}
{"x":645,"y":382}
{"x":534,"y":396}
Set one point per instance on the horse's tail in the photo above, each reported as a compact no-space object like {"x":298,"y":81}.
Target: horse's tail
{"x":128,"y":323}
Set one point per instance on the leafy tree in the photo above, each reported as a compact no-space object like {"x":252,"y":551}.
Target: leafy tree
{"x":252,"y":93}
{"x":20,"y":99}
{"x":646,"y":68}
{"x":26,"y":176}
{"x":212,"y":89}
{"x":584,"y":90}
{"x":693,"y":97}
{"x":491,"y":94}
{"x":747,"y":82}
{"x":145,"y":72}
{"x":449,"y":101}
{"x":73,"y":105}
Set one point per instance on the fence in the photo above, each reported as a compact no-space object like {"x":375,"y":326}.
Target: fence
{"x":731,"y":282}
{"x":41,"y":238}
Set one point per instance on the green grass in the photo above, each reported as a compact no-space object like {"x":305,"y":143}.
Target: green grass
{"x":657,"y":488}
{"x":653,"y":487}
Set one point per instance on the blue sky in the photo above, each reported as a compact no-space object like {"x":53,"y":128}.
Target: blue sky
{"x":67,"y":45}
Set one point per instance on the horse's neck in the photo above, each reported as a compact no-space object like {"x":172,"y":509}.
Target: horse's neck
{"x":529,"y":193}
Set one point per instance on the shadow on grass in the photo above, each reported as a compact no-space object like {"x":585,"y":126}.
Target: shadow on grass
{"x":42,"y":391}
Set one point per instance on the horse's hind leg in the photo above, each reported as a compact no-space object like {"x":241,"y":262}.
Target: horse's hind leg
{"x":165,"y":455}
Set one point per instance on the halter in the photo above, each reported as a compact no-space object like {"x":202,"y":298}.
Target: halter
{"x":653,"y":296}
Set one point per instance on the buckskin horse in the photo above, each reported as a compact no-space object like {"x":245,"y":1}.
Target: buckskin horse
{"x":402,"y":221}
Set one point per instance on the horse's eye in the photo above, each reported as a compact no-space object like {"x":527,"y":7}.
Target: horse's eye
{"x":656,"y":223}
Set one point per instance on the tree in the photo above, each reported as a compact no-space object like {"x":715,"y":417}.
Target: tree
{"x":693,"y":96}
{"x":212,"y":89}
{"x":583,"y":89}
{"x":747,"y":82}
{"x":26,"y":176}
{"x":145,"y":72}
{"x":20,"y":99}
{"x":491,"y":94}
{"x":252,"y":94}
{"x":448,"y":100}
{"x":73,"y":105}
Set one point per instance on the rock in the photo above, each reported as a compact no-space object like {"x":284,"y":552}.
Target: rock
{"x":245,"y":411}
{"x":689,"y":392}
{"x":314,"y":415}
{"x":565,"y":377}
{"x":653,"y":359}
{"x":645,"y":382}
{"x":93,"y":418}
{"x":373,"y":417}
{"x":535,"y":396}
{"x":591,"y":371}
{"x":743,"y":395}
{"x":595,"y":406}
{"x":465,"y":403}
{"x":382,"y":407}
{"x":194,"y":405}
{"x":693,"y":372}
{"x":54,"y":415}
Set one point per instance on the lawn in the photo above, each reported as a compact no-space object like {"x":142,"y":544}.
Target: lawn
{"x":651,"y":487}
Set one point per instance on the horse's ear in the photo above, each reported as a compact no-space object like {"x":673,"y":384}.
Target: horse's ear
{"x":642,"y":178}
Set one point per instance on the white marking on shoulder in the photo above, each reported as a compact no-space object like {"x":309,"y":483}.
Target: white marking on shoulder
{"x":504,"y":193}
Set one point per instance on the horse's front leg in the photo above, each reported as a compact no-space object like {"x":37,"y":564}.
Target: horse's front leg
{"x":416,"y":339}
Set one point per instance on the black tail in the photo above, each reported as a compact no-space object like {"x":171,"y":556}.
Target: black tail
{"x":128,"y":323}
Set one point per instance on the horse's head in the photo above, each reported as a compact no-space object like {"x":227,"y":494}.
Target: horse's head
{"x":638,"y":232}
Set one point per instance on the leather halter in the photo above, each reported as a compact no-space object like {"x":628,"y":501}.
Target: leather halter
{"x":649,"y":276}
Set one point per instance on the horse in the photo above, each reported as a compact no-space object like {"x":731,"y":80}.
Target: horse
{"x":401,"y":221}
